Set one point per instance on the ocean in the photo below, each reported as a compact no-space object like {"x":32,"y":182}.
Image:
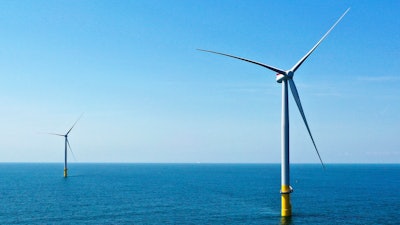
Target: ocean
{"x":37,"y":193}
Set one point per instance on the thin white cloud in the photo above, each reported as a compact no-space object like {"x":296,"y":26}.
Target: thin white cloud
{"x":383,"y":153}
{"x":379,"y":78}
{"x":321,"y":90}
{"x":250,"y":87}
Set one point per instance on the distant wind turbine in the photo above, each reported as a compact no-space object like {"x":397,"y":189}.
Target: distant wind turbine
{"x":67,"y":145}
{"x":286,"y":77}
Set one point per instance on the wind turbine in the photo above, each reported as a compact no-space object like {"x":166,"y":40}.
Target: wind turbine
{"x":286,"y":78}
{"x":67,"y":145}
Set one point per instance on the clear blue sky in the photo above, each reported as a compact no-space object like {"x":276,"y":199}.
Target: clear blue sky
{"x":149,"y":96}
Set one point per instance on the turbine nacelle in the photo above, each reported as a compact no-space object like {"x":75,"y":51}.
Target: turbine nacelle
{"x":284,"y":76}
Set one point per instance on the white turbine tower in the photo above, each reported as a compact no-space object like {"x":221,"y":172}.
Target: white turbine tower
{"x":286,"y":77}
{"x":67,"y":145}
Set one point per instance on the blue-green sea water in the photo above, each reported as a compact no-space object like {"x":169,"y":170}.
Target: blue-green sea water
{"x":197,"y":194}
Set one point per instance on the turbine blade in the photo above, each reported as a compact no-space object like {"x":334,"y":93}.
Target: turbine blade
{"x":297,"y":99}
{"x":298,"y":64}
{"x":74,"y":124}
{"x":247,"y":60}
{"x":70,"y":149}
{"x":57,"y":134}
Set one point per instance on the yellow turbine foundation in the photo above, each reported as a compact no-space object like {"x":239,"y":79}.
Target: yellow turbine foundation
{"x":286,"y":206}
{"x":65,"y":172}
